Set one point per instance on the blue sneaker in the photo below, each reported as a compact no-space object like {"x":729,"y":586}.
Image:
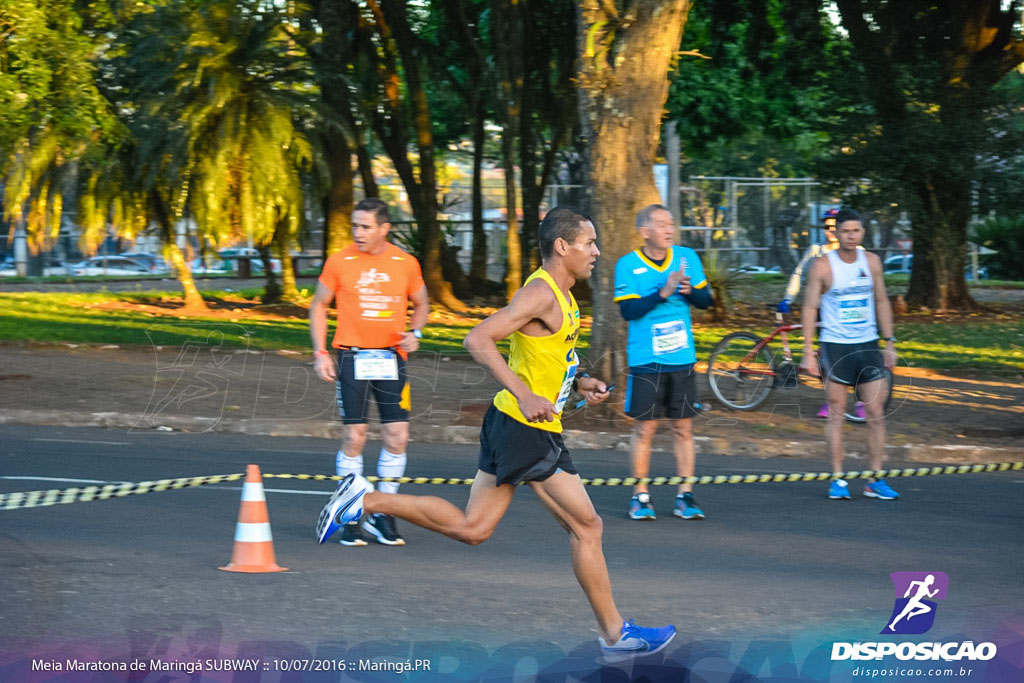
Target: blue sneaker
{"x":640,"y":507}
{"x":637,"y":641}
{"x":346,"y":505}
{"x":686,"y":507}
{"x":839,"y":490}
{"x":880,"y":490}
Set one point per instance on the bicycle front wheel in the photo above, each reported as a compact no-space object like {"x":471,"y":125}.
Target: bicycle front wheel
{"x":740,"y":377}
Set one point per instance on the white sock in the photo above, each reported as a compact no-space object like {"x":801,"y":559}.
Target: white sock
{"x":345,"y":465}
{"x":390,"y":465}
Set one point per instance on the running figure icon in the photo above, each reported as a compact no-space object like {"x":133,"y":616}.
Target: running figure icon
{"x":915,"y":607}
{"x":916,"y":595}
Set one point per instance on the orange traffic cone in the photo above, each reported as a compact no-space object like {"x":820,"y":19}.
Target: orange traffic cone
{"x":254,"y":546}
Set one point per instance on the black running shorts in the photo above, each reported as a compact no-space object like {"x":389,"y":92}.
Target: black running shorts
{"x":514,"y":452}
{"x":662,"y":394}
{"x":391,"y":396}
{"x":851,"y":364}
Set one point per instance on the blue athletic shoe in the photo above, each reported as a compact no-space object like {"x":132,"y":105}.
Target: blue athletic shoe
{"x":839,"y":490}
{"x":637,"y":641}
{"x":686,"y":507}
{"x":880,"y":490}
{"x":346,"y":505}
{"x":640,"y":507}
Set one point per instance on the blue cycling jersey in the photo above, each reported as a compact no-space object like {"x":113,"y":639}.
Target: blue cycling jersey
{"x":664,"y":335}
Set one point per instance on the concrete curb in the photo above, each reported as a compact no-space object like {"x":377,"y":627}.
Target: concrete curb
{"x":960,"y":454}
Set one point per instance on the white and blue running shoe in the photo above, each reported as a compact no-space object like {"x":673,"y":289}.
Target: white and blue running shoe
{"x":640,"y":507}
{"x":346,"y":505}
{"x":880,"y":490}
{"x":636,"y":641}
{"x":839,"y":489}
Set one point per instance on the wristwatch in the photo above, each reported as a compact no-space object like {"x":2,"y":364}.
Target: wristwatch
{"x":418,"y":334}
{"x":576,"y":380}
{"x":891,"y":339}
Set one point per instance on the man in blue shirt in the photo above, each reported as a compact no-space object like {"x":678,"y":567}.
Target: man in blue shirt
{"x":655,"y":286}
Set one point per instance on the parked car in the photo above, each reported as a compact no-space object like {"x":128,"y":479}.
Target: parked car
{"x":904,"y":263}
{"x":232,"y":253}
{"x":155,"y":262}
{"x":748,"y":269}
{"x":109,"y":265}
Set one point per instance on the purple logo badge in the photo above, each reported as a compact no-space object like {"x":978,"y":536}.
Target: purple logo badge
{"x":914,"y":608}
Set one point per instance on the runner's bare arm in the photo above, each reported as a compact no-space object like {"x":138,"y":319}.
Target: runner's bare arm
{"x":420,"y":309}
{"x":530,"y":303}
{"x":809,"y":314}
{"x":883,"y":311}
{"x":323,"y":364}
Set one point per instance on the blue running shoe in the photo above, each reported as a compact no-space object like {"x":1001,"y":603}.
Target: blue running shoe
{"x":880,"y":490}
{"x":687,"y":508}
{"x":346,"y":505}
{"x":637,"y":641}
{"x":839,"y":490}
{"x":640,"y":507}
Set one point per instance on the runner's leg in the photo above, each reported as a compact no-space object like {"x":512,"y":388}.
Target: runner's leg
{"x":836,"y":393}
{"x":686,"y":456}
{"x":640,"y":451}
{"x":872,"y":394}
{"x":487,"y":505}
{"x":564,"y":496}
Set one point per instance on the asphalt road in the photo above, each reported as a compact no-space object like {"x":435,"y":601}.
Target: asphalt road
{"x":774,"y":563}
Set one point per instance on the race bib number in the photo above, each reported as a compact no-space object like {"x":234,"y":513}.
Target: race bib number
{"x":669,"y":337}
{"x":563,"y":393}
{"x":376,"y":364}
{"x":853,"y":310}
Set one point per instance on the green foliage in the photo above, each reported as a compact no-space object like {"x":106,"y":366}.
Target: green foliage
{"x":722,"y":280}
{"x":51,"y":109}
{"x":219,"y":91}
{"x":1006,"y":237}
{"x":756,"y":86}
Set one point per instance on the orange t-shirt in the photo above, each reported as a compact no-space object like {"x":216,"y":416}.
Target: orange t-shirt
{"x":372,"y":294}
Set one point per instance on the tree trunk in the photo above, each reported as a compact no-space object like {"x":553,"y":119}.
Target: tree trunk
{"x":513,"y":262}
{"x":399,"y":41}
{"x":283,"y":241}
{"x":272,"y":290}
{"x":623,"y":79}
{"x":193,"y":299}
{"x":340,"y":198}
{"x":478,"y":259}
{"x":940,"y":246}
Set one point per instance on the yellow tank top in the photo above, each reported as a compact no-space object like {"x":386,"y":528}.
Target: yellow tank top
{"x":547,"y":365}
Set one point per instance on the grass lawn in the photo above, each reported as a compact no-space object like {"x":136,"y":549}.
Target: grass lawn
{"x":991,"y":343}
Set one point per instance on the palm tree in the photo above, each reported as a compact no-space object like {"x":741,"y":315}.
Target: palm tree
{"x":230,"y":86}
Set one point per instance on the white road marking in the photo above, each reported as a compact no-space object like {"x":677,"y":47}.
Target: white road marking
{"x":69,"y":481}
{"x":102,"y":443}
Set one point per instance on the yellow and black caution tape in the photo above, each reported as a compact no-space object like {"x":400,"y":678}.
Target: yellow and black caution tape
{"x":29,"y":499}
{"x":707,"y":479}
{"x":33,"y":499}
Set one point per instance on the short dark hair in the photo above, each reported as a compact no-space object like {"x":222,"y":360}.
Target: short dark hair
{"x":643,"y":216}
{"x":560,"y":222}
{"x":375,"y":206}
{"x":847,"y":214}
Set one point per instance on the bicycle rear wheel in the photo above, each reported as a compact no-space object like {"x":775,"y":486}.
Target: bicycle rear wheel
{"x":851,"y":411}
{"x":740,"y":378}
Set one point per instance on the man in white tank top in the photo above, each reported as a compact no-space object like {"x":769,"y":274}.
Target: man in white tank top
{"x":847,"y":286}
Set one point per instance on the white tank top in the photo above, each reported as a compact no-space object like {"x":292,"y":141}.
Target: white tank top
{"x":848,"y":307}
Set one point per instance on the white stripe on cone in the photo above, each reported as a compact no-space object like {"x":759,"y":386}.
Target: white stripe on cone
{"x":253,"y":533}
{"x":252,"y":492}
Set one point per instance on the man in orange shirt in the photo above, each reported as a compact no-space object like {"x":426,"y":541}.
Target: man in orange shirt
{"x":373,"y":282}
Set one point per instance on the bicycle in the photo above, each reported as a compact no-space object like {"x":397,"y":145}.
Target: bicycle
{"x":742,"y":369}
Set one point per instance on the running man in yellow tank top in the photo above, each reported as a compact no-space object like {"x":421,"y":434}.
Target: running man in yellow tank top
{"x":521,"y":439}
